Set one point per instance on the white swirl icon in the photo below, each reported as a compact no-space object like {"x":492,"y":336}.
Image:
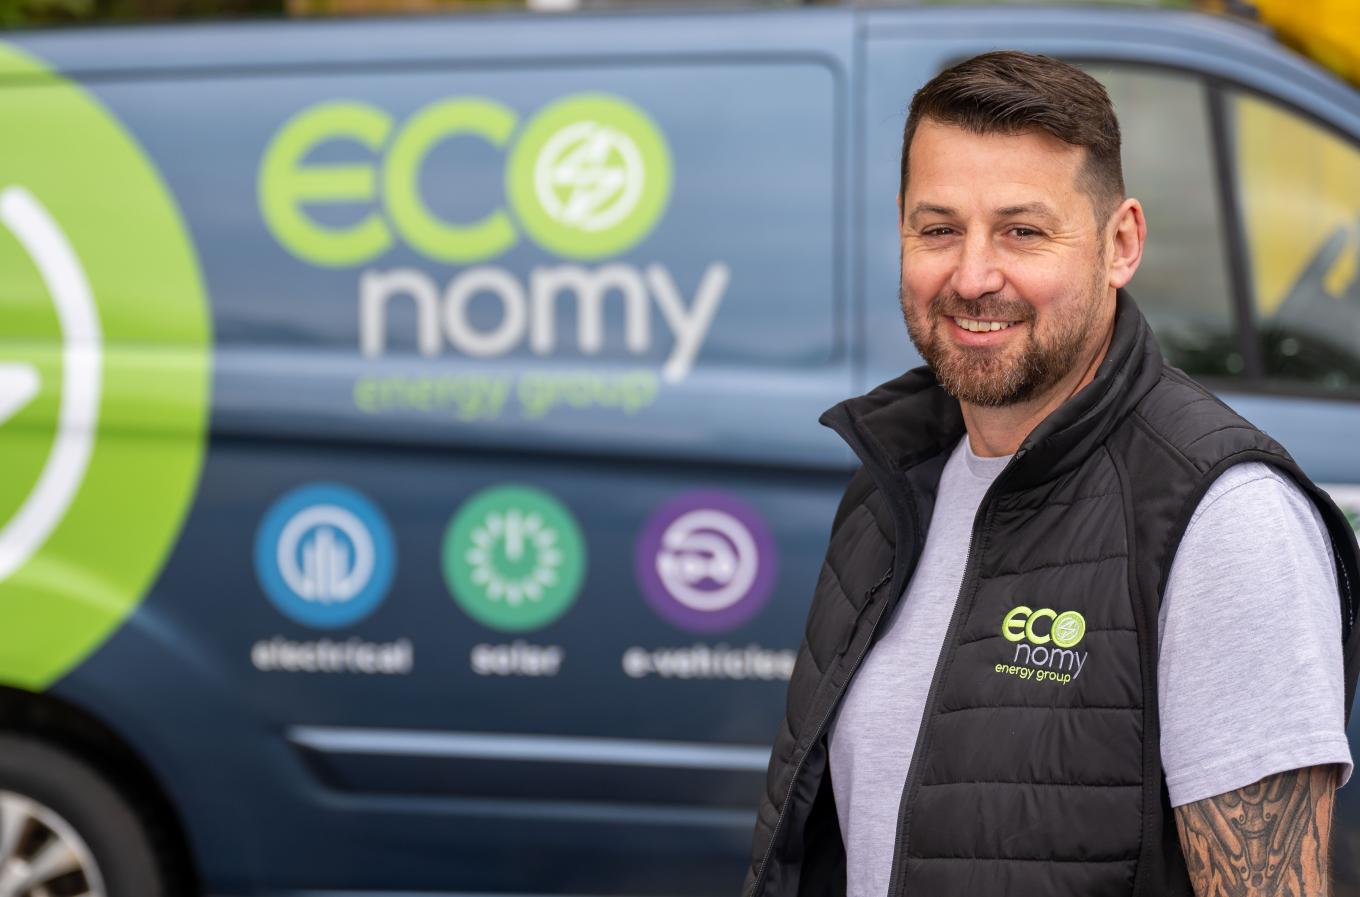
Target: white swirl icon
{"x":708,"y":560}
{"x":589,"y":176}
{"x":316,"y":564}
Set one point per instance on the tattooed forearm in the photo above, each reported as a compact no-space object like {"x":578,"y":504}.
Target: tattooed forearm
{"x":1265,"y":840}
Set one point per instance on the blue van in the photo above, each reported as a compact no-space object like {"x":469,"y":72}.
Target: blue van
{"x":411,"y":478}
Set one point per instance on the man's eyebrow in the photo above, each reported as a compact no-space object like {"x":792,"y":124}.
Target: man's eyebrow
{"x":925,"y":208}
{"x":1029,"y":208}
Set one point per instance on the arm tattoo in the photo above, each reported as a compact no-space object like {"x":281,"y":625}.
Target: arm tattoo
{"x":1265,"y":840}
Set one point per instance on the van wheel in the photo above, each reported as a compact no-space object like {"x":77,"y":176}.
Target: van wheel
{"x":66,"y":831}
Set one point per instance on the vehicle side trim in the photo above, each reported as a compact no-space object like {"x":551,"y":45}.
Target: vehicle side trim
{"x":491,"y":746}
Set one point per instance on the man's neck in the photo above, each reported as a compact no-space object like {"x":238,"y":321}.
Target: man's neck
{"x":993,"y":432}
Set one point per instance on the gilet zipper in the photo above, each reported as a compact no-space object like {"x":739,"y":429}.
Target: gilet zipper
{"x":897,"y":881}
{"x":817,"y":734}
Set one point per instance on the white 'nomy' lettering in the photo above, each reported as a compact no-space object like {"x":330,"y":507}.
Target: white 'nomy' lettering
{"x":590,"y":288}
{"x":376,"y":289}
{"x":690,"y":326}
{"x":1053,"y":658}
{"x":532,"y":314}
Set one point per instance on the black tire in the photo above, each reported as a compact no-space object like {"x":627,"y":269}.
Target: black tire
{"x":111,"y":828}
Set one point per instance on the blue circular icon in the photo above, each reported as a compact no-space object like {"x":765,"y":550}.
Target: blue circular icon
{"x":325,"y":555}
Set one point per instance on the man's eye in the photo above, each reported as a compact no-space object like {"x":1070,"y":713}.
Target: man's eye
{"x":938,"y":231}
{"x":1020,"y":231}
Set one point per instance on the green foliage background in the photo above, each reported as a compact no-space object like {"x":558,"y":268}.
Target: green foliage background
{"x":55,"y":12}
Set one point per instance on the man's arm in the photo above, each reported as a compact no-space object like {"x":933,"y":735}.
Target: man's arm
{"x":1265,"y":840}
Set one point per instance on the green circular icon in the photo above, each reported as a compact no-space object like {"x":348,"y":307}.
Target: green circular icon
{"x":589,"y":177}
{"x":514,"y":558}
{"x":1068,"y":629}
{"x":104,"y":373}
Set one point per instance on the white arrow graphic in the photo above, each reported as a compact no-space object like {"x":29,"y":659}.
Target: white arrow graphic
{"x":18,"y":385}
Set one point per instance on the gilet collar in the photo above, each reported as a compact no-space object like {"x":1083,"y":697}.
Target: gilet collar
{"x":911,"y":419}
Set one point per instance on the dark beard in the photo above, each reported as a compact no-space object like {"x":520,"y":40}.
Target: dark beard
{"x":981,"y":376}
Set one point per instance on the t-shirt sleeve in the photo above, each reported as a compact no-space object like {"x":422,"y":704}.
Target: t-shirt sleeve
{"x":1250,"y":675}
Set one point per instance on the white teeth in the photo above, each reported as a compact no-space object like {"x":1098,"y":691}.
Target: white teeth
{"x":982,"y":326}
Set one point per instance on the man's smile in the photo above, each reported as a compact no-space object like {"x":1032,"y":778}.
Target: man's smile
{"x":976,"y":326}
{"x":979,"y":332}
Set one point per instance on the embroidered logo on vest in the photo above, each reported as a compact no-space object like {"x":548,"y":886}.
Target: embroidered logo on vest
{"x":1044,"y":642}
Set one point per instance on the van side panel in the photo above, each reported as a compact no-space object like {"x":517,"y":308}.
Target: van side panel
{"x":609,"y":284}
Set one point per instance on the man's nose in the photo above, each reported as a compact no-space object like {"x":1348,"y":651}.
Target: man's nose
{"x":977,"y":272}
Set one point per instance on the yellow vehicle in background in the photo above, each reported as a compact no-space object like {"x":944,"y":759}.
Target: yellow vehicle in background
{"x":1328,"y":31}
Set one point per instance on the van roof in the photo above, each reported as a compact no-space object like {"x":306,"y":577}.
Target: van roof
{"x":260,"y":47}
{"x":185,"y":46}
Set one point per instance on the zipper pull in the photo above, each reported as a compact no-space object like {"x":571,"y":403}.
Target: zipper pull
{"x":859,"y":614}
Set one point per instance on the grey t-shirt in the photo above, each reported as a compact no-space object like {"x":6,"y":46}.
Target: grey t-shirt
{"x":1250,"y":678}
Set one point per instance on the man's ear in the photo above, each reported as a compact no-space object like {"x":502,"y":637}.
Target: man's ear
{"x":1125,"y":236}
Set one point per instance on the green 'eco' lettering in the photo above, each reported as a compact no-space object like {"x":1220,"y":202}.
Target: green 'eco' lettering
{"x":1029,"y":627}
{"x":286,"y":183}
{"x":1066,"y":630}
{"x":1013,"y":626}
{"x":457,"y":244}
{"x":587,"y":177}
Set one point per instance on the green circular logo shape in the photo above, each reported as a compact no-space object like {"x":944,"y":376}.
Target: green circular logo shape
{"x":514,"y":558}
{"x":104,"y":373}
{"x":589,"y":177}
{"x":1068,"y":629}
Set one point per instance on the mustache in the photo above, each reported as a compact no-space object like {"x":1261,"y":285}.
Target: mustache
{"x":952,"y":305}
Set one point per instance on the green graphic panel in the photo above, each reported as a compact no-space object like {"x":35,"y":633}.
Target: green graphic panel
{"x":514,"y":558}
{"x":104,"y":374}
{"x":589,"y":177}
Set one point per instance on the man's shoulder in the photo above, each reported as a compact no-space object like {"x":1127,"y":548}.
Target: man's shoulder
{"x":1253,"y":476}
{"x":1183,"y":418}
{"x":1257,"y":493}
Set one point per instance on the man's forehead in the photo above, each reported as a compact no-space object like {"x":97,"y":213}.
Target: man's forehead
{"x":951,"y":167}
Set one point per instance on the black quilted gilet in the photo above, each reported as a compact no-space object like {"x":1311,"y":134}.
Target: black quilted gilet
{"x":1037,"y":769}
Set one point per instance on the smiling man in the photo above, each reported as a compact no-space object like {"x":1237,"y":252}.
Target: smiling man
{"x":1081,"y":629}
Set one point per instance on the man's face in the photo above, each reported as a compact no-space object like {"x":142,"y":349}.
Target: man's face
{"x":1004,"y":284}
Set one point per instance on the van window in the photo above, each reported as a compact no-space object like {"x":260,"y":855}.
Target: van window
{"x":1183,"y":284}
{"x":1299,"y":188}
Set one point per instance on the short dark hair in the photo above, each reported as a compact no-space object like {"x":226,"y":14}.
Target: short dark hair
{"x":1009,"y":92}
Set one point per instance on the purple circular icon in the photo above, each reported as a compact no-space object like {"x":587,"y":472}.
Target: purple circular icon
{"x":706,"y":561}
